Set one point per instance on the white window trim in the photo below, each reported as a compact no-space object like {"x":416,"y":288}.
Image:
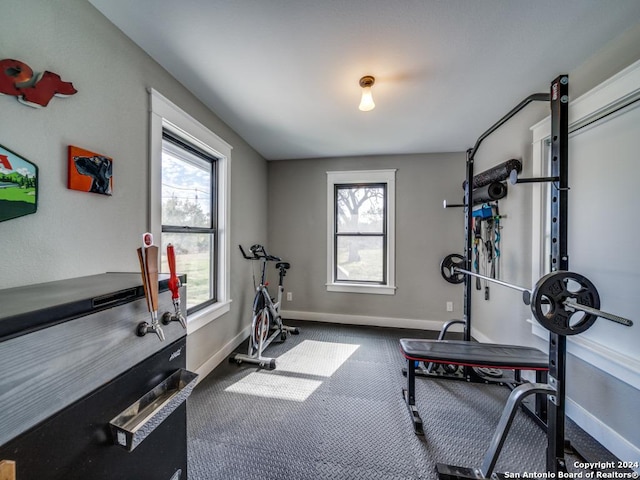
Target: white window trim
{"x":165,"y":115}
{"x":362,"y":176}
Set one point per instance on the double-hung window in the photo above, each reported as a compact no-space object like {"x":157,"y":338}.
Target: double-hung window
{"x":189,"y":206}
{"x":189,"y":219}
{"x":361,"y":231}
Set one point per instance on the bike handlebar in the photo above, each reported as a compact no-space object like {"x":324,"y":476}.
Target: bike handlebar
{"x":258,"y":252}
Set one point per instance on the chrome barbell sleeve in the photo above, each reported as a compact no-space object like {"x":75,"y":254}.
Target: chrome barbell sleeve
{"x":572,"y":303}
{"x":490,"y":279}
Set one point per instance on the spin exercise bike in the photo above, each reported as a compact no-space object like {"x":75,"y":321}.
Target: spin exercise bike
{"x":266,"y":323}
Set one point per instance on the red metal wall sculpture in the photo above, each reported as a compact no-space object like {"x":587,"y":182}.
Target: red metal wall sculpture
{"x":17,"y":79}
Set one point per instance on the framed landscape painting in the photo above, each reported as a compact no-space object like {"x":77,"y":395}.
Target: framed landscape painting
{"x":18,"y":185}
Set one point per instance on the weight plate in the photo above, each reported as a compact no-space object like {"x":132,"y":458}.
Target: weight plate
{"x":549,"y":307}
{"x":450,"y":261}
{"x":488,"y":372}
{"x":449,"y":368}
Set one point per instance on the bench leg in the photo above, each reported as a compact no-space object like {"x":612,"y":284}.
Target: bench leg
{"x":541,"y":400}
{"x":409,"y":395}
{"x":449,"y":472}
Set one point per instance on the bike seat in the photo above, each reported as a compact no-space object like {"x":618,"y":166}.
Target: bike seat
{"x":285,"y":265}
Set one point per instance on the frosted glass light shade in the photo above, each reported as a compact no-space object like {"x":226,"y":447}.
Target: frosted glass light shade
{"x":366,"y":102}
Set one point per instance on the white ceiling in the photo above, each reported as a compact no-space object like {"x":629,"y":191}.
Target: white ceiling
{"x":284,"y":73}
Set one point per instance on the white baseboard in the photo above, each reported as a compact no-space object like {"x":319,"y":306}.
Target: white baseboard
{"x":418,"y":324}
{"x":608,"y":438}
{"x":207,"y":367}
{"x":479,"y":336}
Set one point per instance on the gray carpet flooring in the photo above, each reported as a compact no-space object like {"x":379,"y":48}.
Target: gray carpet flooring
{"x":341,"y":415}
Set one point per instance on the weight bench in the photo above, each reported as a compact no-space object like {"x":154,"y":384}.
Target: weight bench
{"x":470,"y":354}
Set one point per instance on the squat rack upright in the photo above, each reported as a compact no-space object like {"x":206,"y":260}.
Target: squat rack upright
{"x":554,"y":410}
{"x":552,"y":302}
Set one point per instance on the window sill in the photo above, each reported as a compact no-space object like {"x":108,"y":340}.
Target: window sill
{"x":360,"y":288}
{"x":207,"y":315}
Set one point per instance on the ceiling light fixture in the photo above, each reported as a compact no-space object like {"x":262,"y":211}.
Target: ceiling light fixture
{"x":366,"y":102}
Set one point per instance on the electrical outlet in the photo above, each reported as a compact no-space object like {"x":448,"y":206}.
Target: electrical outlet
{"x":449,"y":306}
{"x":289,"y":296}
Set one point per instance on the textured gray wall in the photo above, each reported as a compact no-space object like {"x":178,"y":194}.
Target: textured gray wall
{"x":73,"y":233}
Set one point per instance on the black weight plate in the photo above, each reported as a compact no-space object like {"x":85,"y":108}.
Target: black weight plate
{"x":450,"y":261}
{"x":449,"y":368}
{"x":488,"y":372}
{"x":549,"y":297}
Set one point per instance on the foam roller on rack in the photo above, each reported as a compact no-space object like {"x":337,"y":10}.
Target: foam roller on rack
{"x":496,"y":174}
{"x":489,"y":193}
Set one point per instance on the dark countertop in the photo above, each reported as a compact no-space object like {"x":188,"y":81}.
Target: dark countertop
{"x":33,"y":307}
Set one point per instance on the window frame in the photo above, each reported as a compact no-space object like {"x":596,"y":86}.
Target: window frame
{"x":166,"y":116}
{"x":336,"y":179}
{"x":179,"y":146}
{"x":383,"y":234}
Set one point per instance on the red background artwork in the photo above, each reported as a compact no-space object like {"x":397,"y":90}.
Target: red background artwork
{"x":92,"y":174}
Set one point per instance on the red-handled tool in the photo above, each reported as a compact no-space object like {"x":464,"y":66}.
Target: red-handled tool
{"x":148,"y":256}
{"x":174,"y":281}
{"x":174,"y":286}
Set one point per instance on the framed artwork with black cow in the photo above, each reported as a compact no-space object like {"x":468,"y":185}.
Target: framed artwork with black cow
{"x":90,"y":171}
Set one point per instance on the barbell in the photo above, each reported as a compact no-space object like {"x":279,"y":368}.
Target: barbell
{"x":556,"y":298}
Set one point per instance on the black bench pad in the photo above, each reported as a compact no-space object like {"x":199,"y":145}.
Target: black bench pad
{"x":459,"y":352}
